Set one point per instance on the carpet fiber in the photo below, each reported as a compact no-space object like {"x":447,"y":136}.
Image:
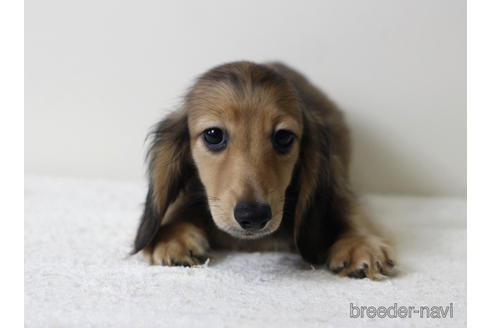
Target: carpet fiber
{"x":78,"y":234}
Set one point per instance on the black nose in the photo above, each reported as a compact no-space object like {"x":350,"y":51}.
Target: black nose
{"x":252,"y":216}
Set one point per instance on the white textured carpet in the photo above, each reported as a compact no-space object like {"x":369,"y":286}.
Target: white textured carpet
{"x":77,"y":273}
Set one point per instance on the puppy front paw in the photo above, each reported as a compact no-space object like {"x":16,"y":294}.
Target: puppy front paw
{"x":180,"y":244}
{"x":361,"y":256}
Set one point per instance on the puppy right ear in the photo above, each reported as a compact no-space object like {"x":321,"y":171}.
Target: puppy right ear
{"x":170,"y":167}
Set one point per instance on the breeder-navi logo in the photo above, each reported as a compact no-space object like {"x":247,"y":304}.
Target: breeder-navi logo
{"x":400,"y":311}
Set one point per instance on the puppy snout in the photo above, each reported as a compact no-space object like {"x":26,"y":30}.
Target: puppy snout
{"x":252,"y":216}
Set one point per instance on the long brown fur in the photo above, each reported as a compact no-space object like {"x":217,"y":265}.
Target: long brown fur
{"x":192,"y":191}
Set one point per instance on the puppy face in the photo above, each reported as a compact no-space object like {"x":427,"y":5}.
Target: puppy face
{"x":245,"y":126}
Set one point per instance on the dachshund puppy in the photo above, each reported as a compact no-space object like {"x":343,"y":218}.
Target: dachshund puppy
{"x":256,"y":159}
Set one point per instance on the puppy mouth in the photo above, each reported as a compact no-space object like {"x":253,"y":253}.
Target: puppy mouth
{"x":244,"y":234}
{"x":249,"y":234}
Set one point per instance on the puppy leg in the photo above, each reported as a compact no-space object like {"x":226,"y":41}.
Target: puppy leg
{"x":182,"y":240}
{"x":179,"y":244}
{"x":360,"y":251}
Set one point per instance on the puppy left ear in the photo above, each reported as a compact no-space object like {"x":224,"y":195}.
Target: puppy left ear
{"x":323,"y":195}
{"x":170,"y":168}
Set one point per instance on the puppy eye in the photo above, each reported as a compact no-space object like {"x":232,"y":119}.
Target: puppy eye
{"x":214,"y":139}
{"x":282,"y":140}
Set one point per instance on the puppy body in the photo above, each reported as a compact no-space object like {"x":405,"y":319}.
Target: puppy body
{"x":282,"y":147}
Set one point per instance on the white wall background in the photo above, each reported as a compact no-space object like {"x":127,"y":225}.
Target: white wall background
{"x":98,"y":74}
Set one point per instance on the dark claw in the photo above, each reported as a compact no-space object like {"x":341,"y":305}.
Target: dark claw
{"x":201,"y":258}
{"x":380,"y":268}
{"x":390,"y":263}
{"x":345,"y":264}
{"x":359,"y":274}
{"x":338,"y":270}
{"x":171,"y":261}
{"x":183,"y":264}
{"x":190,"y":253}
{"x":365,"y":266}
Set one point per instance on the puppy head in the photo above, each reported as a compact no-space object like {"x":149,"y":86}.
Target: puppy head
{"x":245,"y":125}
